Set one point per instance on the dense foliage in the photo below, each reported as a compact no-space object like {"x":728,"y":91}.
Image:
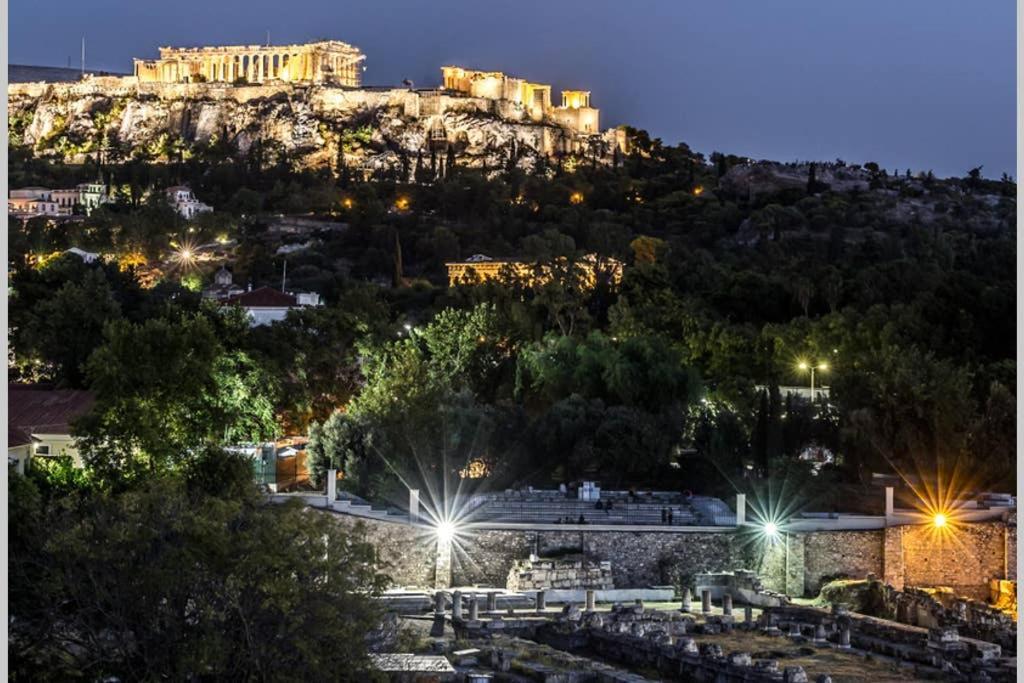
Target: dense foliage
{"x":669,"y":378}
{"x":190,"y":576}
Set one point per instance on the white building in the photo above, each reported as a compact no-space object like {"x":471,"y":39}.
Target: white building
{"x":180,"y":197}
{"x":42,"y":201}
{"x":39,"y":423}
{"x":34,"y":201}
{"x":91,"y":195}
{"x":87,"y":256}
{"x":266,"y":305}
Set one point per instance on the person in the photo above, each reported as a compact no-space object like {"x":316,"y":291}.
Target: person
{"x":608,"y":506}
{"x":582,"y":520}
{"x":598,"y":505}
{"x":670,"y":516}
{"x":664,"y":515}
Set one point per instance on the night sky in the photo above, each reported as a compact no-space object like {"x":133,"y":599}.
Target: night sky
{"x":928,"y":84}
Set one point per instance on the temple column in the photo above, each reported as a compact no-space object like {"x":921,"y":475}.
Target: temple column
{"x":259,"y":67}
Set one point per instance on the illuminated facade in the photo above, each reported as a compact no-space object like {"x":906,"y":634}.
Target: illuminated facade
{"x":328,"y":61}
{"x":480,"y":268}
{"x":574,"y":113}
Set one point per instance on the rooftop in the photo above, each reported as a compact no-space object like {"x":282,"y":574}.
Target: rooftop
{"x":40,"y":409}
{"x":264,"y":297}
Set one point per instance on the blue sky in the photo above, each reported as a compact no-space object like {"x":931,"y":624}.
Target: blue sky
{"x":928,"y":84}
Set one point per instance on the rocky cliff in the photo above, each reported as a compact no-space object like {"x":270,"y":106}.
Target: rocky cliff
{"x":311,"y":126}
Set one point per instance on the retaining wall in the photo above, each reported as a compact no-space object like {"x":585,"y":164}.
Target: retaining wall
{"x":966,"y":558}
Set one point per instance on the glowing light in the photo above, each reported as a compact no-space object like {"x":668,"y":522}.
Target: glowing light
{"x":939,"y":520}
{"x":402,"y":203}
{"x":771,"y":529}
{"x":347,"y":202}
{"x":474,"y":469}
{"x":576,"y":198}
{"x":802,"y":365}
{"x":445,"y":531}
{"x":698,"y":191}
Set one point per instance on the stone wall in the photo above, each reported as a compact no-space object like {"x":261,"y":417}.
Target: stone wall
{"x":964,"y":557}
{"x":851,"y":553}
{"x":405,"y":553}
{"x":637,"y":558}
{"x":902,"y":556}
{"x":531,"y":575}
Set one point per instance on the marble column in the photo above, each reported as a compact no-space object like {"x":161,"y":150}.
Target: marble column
{"x":542,"y":601}
{"x":591,"y":599}
{"x":727,"y":604}
{"x":457,"y":605}
{"x":474,"y":608}
{"x":687,"y":601}
{"x":492,"y":601}
{"x":705,"y":601}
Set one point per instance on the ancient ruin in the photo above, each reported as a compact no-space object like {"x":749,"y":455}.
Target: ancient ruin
{"x":328,"y":61}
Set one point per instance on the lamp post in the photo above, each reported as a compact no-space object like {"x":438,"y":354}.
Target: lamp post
{"x":804,"y":366}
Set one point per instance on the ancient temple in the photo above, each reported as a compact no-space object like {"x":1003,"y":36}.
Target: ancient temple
{"x":535,"y":98}
{"x":328,"y":61}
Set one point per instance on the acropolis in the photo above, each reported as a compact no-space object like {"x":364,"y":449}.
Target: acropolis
{"x":207,"y":91}
{"x":328,"y":61}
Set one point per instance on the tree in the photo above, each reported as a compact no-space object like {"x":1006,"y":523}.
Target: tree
{"x":165,"y":580}
{"x":165,"y":389}
{"x":65,"y":329}
{"x":341,"y":442}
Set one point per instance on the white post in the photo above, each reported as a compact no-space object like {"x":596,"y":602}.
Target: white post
{"x":332,"y":487}
{"x":414,"y":505}
{"x":888,"y":501}
{"x":741,"y":509}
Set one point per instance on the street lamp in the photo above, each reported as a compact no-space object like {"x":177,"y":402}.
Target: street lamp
{"x":804,"y":366}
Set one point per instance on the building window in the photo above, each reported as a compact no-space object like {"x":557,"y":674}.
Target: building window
{"x":42,"y":449}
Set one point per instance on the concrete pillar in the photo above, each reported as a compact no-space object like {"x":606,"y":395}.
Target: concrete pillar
{"x":591,"y":599}
{"x":727,"y":604}
{"x":844,"y":637}
{"x":748,"y":614}
{"x":889,"y":507}
{"x":705,"y":601}
{"x":819,"y":633}
{"x":474,"y":608}
{"x":332,"y":487}
{"x":741,"y":508}
{"x":492,"y":601}
{"x":414,"y":505}
{"x":457,"y":605}
{"x":439,"y":602}
{"x":542,"y":600}
{"x":687,"y":601}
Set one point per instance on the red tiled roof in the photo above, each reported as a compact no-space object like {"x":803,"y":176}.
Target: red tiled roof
{"x":264,"y":297}
{"x":39,"y":409}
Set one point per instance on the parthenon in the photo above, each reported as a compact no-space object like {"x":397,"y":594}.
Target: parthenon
{"x":328,"y":61}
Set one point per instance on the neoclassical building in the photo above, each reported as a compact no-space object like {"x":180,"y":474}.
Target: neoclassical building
{"x":328,"y":61}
